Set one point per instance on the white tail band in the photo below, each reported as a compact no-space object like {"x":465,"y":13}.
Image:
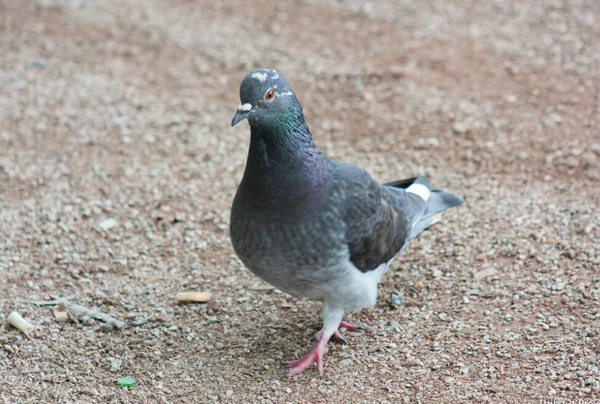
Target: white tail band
{"x":421,"y":190}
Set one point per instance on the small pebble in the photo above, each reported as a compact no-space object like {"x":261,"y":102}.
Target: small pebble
{"x":396,"y":300}
{"x":213,"y":307}
{"x":459,"y":128}
{"x":413,"y":362}
{"x":141,"y":321}
{"x":345,"y":362}
{"x":108,"y":224}
{"x":162,"y":317}
{"x":106,"y":327}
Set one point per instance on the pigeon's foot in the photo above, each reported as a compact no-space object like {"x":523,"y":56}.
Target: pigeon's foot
{"x":315,"y":356}
{"x":320,"y":349}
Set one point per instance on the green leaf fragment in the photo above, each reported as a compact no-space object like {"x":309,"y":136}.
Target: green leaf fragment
{"x":126,"y":381}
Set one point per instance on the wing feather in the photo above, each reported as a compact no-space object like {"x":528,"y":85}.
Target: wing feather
{"x":378,"y":218}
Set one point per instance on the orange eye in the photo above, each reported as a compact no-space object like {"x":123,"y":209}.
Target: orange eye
{"x":269,"y":95}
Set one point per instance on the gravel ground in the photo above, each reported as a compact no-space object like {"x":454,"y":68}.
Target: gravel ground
{"x":118,"y":167}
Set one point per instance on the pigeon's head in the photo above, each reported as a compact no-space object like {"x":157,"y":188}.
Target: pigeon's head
{"x":265,"y":97}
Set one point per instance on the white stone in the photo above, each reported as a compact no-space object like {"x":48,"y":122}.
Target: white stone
{"x":108,"y":224}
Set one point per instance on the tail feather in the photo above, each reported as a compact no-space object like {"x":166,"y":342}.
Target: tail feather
{"x":437,"y":203}
{"x":442,"y":200}
{"x":435,"y":200}
{"x":403,"y":184}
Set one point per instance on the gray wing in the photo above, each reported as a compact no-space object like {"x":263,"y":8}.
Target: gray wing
{"x":378,"y":218}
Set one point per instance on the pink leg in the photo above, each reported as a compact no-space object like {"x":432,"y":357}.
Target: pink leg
{"x":320,"y":349}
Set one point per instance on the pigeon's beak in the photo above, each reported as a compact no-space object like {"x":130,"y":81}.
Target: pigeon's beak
{"x":243,"y":110}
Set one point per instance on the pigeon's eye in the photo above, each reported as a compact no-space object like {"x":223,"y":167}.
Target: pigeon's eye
{"x":269,"y":95}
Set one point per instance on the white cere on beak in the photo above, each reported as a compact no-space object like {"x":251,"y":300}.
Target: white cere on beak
{"x":260,"y":76}
{"x":244,"y":107}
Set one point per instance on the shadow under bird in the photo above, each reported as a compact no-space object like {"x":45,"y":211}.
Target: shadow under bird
{"x":313,"y":227}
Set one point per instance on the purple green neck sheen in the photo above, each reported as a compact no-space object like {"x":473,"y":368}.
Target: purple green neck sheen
{"x":283,"y":161}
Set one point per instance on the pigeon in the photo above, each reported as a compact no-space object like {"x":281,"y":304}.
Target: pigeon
{"x":313,"y":227}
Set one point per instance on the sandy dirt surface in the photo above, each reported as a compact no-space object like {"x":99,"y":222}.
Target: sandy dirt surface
{"x":118,"y":167}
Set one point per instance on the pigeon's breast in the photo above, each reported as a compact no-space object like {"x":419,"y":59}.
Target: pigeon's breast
{"x":293,"y":255}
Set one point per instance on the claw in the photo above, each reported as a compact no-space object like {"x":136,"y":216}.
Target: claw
{"x":339,"y":338}
{"x":319,"y":360}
